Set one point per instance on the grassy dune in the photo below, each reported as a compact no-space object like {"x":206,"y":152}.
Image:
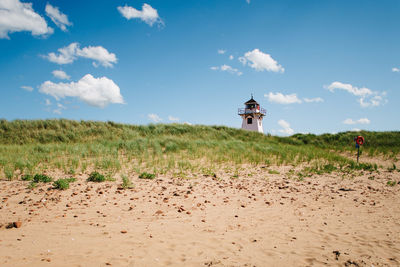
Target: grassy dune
{"x":29,"y":147}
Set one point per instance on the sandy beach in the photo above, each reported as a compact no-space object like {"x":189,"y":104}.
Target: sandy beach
{"x":256,"y":219}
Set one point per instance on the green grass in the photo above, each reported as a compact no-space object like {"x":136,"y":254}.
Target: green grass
{"x":96,"y":177}
{"x":146,"y":175}
{"x":386,"y":143}
{"x":63,"y":184}
{"x":26,"y":177}
{"x":41,"y":178}
{"x":72,"y":147}
{"x":126,"y":182}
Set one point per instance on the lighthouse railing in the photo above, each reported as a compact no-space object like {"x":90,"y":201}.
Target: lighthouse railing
{"x":242,"y":111}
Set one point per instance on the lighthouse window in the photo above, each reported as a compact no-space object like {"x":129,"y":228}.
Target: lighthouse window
{"x":249,"y":120}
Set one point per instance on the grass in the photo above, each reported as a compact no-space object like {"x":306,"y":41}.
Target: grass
{"x":96,"y":177}
{"x":126,"y":182}
{"x":146,"y":175}
{"x":41,"y":178}
{"x":63,"y":184}
{"x":386,"y":143}
{"x":28,"y":147}
{"x":27,"y":177}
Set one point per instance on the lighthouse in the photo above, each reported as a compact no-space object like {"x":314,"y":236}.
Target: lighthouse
{"x":252,"y":115}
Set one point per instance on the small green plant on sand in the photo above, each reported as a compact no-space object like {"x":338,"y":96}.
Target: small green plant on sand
{"x":146,"y":175}
{"x":63,"y":184}
{"x":126,"y":182}
{"x":32,"y":185}
{"x":26,"y":177}
{"x":96,"y":177}
{"x":273,"y":172}
{"x":391,"y":183}
{"x":41,"y":178}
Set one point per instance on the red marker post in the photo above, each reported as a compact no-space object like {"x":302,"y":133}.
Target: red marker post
{"x":359,"y":142}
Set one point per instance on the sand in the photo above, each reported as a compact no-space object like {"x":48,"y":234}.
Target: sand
{"x":257,"y":219}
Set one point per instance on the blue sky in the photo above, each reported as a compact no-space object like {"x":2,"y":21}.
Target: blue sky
{"x":315,"y":66}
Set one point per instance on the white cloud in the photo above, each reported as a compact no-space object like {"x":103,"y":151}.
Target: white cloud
{"x":374,"y":101}
{"x":48,"y":102}
{"x":59,"y":105}
{"x":231,"y":57}
{"x":349,"y":88}
{"x":395,"y":69}
{"x":99,"y":54}
{"x":367,"y":97}
{"x":282,"y":99}
{"x":360,"y":121}
{"x":148,"y":14}
{"x":261,"y":61}
{"x":60,"y":19}
{"x":70,"y":53}
{"x":286,"y":127}
{"x":171,"y":118}
{"x":356,"y":130}
{"x":313,"y":100}
{"x":227,"y":68}
{"x":60,"y":74}
{"x":154,"y":117}
{"x":66,"y":54}
{"x":221,"y":51}
{"x":16,"y":17}
{"x":27,"y":88}
{"x":98,"y":92}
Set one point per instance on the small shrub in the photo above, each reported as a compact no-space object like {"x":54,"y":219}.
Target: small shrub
{"x":126,"y":182}
{"x":391,"y":183}
{"x":42,"y":178}
{"x":145,"y":175}
{"x":27,"y":177}
{"x":96,"y":177}
{"x":273,"y":172}
{"x":63,"y":184}
{"x":32,"y":185}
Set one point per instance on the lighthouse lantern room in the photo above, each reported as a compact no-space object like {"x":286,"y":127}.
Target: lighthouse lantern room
{"x":252,"y":116}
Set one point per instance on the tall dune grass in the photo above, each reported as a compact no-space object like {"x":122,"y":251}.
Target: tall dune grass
{"x":28,"y":147}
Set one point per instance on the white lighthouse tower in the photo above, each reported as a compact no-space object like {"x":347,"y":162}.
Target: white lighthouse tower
{"x":252,"y":116}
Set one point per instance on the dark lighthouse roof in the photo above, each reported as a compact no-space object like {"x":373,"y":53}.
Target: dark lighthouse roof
{"x":251,"y":101}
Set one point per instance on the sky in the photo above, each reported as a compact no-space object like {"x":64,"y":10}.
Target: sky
{"x":315,"y":66}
